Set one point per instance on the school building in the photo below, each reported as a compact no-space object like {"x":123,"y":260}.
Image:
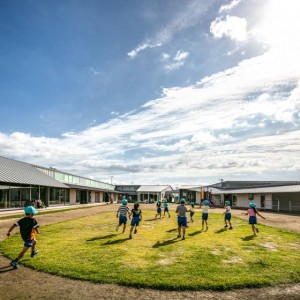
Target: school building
{"x":23,"y":183}
{"x":268,"y":195}
{"x":144,"y":193}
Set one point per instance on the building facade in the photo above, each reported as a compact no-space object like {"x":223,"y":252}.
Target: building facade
{"x":22,"y":184}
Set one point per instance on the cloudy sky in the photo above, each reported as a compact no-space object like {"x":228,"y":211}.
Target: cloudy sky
{"x":163,"y":92}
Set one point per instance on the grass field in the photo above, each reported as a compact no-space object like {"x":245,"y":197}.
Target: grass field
{"x":89,"y":248}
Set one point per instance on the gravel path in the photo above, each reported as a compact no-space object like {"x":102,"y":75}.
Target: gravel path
{"x":26,"y":283}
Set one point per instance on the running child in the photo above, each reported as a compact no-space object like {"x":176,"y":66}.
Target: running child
{"x":205,"y":209}
{"x":192,"y":212}
{"x":227,"y":213}
{"x":166,"y":207}
{"x":181,"y":210}
{"x":122,"y":213}
{"x":158,"y":209}
{"x":136,"y":214}
{"x":28,"y":228}
{"x":252,"y":212}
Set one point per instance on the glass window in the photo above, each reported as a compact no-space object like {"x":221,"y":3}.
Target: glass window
{"x":250,"y":196}
{"x":4,"y":193}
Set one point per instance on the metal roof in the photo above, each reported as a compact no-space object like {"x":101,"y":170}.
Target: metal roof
{"x":154,"y":188}
{"x":17,"y":172}
{"x":262,"y":190}
{"x":88,"y":188}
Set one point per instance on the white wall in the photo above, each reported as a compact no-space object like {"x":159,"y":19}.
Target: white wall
{"x":72,"y":196}
{"x":242,"y":200}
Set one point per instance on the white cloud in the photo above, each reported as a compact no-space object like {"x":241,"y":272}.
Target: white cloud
{"x":244,"y":120}
{"x":178,"y":61}
{"x":233,"y":27}
{"x":165,"y":56}
{"x":135,"y":52}
{"x":229,"y":6}
{"x":188,"y":17}
{"x":181,"y":55}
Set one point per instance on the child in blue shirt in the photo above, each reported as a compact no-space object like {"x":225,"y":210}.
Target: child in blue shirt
{"x":166,"y":207}
{"x":136,"y":214}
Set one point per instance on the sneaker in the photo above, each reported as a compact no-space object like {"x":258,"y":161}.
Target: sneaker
{"x":225,"y":226}
{"x":178,"y":236}
{"x":117,"y":227}
{"x":130,"y":236}
{"x":34,"y":253}
{"x":14,"y":264}
{"x":230,"y":227}
{"x":135,"y":231}
{"x":183,"y":238}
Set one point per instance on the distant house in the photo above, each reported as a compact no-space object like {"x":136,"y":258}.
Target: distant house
{"x":153,"y":193}
{"x":268,"y":195}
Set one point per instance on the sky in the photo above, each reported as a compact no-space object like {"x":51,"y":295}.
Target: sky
{"x":152,"y":92}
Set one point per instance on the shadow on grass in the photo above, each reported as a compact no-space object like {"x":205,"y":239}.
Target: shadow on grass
{"x":248,"y":238}
{"x":101,"y":237}
{"x":165,"y":243}
{"x":194,"y":233}
{"x":221,"y":230}
{"x":115,"y":242}
{"x":172,"y":230}
{"x":154,"y":219}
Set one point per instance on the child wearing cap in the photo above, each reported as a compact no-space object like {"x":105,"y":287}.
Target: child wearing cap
{"x":122,"y":213}
{"x":252,"y":212}
{"x":136,"y":214}
{"x":28,"y":227}
{"x":205,"y":209}
{"x":166,"y":208}
{"x":192,"y":212}
{"x":158,"y":209}
{"x":181,"y":210}
{"x":227,"y":214}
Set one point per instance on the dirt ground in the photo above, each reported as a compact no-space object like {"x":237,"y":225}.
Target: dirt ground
{"x":26,"y":283}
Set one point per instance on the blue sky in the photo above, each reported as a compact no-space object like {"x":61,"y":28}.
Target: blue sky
{"x":170,"y":92}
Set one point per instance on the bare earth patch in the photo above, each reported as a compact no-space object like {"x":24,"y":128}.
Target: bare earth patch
{"x":26,"y":283}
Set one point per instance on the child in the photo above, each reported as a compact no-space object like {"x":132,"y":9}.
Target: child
{"x":122,"y":212}
{"x":28,"y":227}
{"x":252,"y":212}
{"x":166,"y":207}
{"x":192,"y":212}
{"x":227,"y":214}
{"x":205,"y":208}
{"x":181,"y":210}
{"x":136,"y":214}
{"x":158,"y":209}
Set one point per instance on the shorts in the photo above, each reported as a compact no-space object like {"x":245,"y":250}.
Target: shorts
{"x":158,"y":210}
{"x":29,"y":243}
{"x":252,"y":220}
{"x":181,"y":221}
{"x":166,"y":209}
{"x":228,"y":216}
{"x":192,"y":213}
{"x":122,"y":220}
{"x":135,"y":221}
{"x":204,"y":216}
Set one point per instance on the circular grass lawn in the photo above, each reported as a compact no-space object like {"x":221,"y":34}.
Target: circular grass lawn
{"x":89,"y":248}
